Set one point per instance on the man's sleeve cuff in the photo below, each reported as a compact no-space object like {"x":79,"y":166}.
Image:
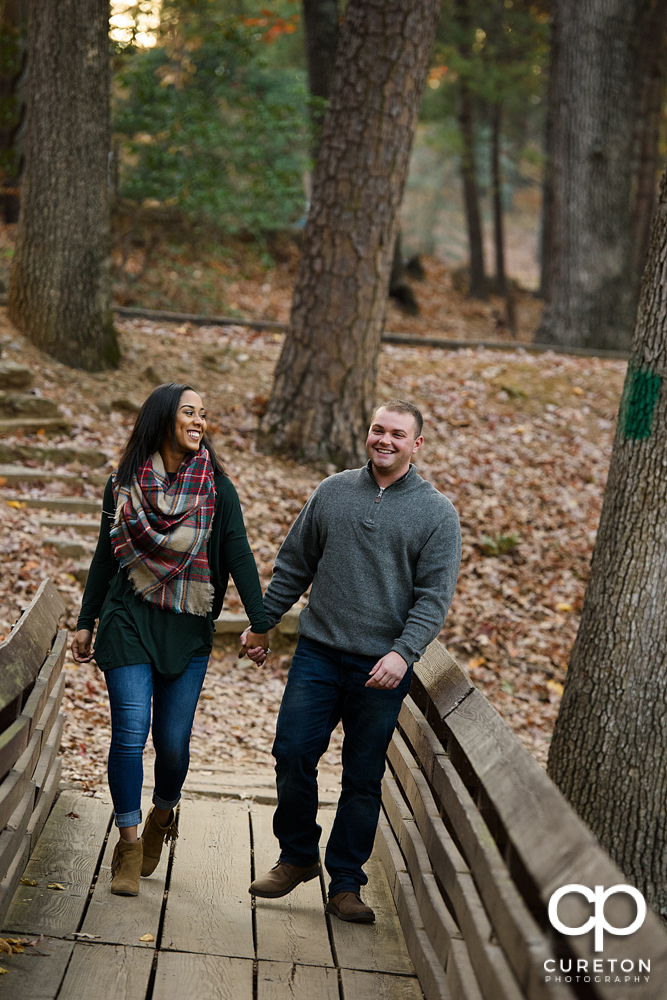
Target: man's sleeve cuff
{"x":402,"y":650}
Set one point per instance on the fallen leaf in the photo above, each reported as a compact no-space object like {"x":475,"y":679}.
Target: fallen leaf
{"x":147,"y":937}
{"x":55,"y":885}
{"x":477,"y":661}
{"x":19,"y":506}
{"x":5,"y":946}
{"x":555,"y":686}
{"x":577,"y":390}
{"x":84,"y":936}
{"x":3,"y":971}
{"x":72,"y":815}
{"x":28,"y":881}
{"x":563,"y":606}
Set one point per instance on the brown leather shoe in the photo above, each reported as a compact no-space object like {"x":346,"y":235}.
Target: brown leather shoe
{"x":126,"y":867}
{"x":350,"y":906}
{"x":282,"y":879}
{"x":153,"y":837}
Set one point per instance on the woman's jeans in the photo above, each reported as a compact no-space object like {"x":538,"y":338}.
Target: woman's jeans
{"x":174,"y":703}
{"x":324,"y":686}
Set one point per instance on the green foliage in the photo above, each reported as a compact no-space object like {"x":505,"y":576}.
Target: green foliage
{"x":500,"y":48}
{"x":501,"y":545}
{"x":208,"y":123}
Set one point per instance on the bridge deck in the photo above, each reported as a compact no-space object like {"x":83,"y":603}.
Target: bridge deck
{"x":208,"y":939}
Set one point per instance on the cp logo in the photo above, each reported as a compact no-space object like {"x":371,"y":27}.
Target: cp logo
{"x":598,"y":897}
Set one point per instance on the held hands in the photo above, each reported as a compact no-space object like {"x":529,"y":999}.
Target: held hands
{"x":255,"y":645}
{"x":388,"y":672}
{"x":82,"y":646}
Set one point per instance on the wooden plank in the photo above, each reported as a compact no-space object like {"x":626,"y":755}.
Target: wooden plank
{"x":123,"y":919}
{"x":376,"y":986}
{"x":24,"y":650}
{"x":47,"y":677}
{"x":11,"y":880}
{"x":437,"y":918}
{"x":292,"y":929}
{"x":41,"y":813}
{"x":48,"y":754}
{"x":107,"y":972}
{"x":52,"y":707}
{"x":519,"y":934}
{"x":378,"y":947}
{"x":430,"y":970}
{"x":13,"y":742}
{"x":202,"y":977}
{"x":550,"y":840}
{"x":442,"y":678}
{"x":279,"y":980}
{"x":209,"y":909}
{"x":13,"y":833}
{"x":493,"y":972}
{"x":461,"y":980}
{"x":67,"y":852}
{"x":15,"y":783}
{"x":35,"y":977}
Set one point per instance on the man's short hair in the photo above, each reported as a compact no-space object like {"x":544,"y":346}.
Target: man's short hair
{"x":402,"y":406}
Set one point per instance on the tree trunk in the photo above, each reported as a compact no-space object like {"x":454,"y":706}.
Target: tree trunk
{"x":609,"y":749}
{"x":651,"y":32}
{"x":324,"y":389}
{"x":477,"y":286}
{"x":591,"y":301}
{"x":59,"y":285}
{"x":503,"y":286}
{"x":400,"y":288}
{"x":13,"y":24}
{"x":546,"y":227}
{"x":320,"y":22}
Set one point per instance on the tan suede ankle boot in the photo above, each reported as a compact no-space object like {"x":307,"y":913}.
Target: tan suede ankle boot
{"x":126,"y":867}
{"x":153,"y":837}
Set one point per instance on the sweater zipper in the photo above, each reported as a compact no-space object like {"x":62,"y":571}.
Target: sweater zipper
{"x":377,"y":500}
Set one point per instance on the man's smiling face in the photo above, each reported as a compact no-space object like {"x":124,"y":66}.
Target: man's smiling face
{"x":391,"y":442}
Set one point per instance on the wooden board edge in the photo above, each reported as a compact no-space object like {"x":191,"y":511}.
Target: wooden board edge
{"x":45,"y":804}
{"x":443,"y":679}
{"x":48,"y":755}
{"x":46,"y":679}
{"x":37,"y":624}
{"x":13,"y":877}
{"x":13,"y":833}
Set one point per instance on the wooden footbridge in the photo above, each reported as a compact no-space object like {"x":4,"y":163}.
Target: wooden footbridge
{"x":473,"y":840}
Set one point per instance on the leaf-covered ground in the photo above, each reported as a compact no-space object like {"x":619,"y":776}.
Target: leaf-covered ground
{"x":520,"y":444}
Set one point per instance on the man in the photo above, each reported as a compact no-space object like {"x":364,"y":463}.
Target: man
{"x":381,"y":548}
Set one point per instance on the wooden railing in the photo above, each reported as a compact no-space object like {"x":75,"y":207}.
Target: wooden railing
{"x":475,"y":839}
{"x":31,"y":725}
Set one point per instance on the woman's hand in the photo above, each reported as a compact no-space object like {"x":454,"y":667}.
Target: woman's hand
{"x":82,"y":646}
{"x":255,"y":645}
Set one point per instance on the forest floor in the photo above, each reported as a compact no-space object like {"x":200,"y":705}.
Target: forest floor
{"x":520,"y":444}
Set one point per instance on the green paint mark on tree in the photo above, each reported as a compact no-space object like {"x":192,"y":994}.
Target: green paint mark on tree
{"x":643,"y":395}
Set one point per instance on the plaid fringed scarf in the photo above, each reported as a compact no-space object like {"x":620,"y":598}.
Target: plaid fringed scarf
{"x":160,"y":532}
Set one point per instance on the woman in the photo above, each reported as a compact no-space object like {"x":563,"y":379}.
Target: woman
{"x":171,"y":532}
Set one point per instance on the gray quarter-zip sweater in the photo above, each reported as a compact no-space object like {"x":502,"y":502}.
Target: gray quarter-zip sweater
{"x":383,"y":564}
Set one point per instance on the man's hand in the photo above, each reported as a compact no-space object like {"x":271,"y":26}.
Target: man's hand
{"x":388,"y":672}
{"x":255,"y":645}
{"x":82,"y":646}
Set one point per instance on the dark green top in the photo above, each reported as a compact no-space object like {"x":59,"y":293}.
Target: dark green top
{"x":133,"y":631}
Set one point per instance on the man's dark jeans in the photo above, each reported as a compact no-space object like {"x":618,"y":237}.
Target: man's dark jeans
{"x":325,"y":685}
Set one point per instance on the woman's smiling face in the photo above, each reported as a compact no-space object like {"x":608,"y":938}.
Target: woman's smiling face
{"x":190,"y":422}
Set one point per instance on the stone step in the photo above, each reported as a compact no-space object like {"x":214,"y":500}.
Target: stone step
{"x":14,"y":404}
{"x":235,"y":622}
{"x":14,"y":375}
{"x":35,"y":425}
{"x":12,"y":474}
{"x":69,"y":548}
{"x":91,"y":458}
{"x":75,"y":505}
{"x":84,"y":527}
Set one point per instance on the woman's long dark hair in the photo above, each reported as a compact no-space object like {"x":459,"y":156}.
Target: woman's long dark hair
{"x":155,"y":420}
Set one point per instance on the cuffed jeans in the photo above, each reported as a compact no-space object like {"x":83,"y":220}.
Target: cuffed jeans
{"x":131,"y":689}
{"x":325,"y":686}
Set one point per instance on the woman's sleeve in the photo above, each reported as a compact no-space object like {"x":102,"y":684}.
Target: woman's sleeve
{"x":237,"y":555}
{"x":102,"y":568}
